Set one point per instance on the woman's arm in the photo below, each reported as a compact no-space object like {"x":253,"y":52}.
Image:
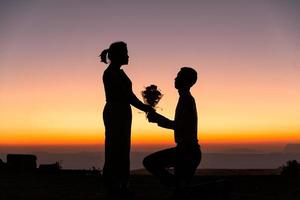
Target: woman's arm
{"x":133,"y":100}
{"x":138,"y":104}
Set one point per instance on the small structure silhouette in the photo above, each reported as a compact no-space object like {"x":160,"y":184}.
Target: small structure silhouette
{"x":23,"y":162}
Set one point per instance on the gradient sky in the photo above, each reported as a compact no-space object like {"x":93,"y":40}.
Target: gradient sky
{"x":247,"y":54}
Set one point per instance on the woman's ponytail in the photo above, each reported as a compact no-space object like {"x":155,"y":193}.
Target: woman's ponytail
{"x":103,"y":56}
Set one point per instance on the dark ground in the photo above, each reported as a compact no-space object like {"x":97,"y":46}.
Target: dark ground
{"x":81,"y":186}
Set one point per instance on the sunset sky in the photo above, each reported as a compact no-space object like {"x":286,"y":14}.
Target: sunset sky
{"x":247,"y":54}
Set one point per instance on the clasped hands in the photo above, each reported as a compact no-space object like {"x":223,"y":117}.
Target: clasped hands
{"x":153,"y":117}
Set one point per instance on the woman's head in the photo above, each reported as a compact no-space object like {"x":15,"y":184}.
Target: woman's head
{"x":117,"y":53}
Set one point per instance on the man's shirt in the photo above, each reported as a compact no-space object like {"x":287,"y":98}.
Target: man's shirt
{"x":185,"y":122}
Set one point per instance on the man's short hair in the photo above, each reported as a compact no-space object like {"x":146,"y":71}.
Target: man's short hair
{"x":190,"y":74}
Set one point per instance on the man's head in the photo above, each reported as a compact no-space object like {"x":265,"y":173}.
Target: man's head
{"x":186,"y":78}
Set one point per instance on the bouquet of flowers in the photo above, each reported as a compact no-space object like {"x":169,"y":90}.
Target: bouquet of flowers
{"x":151,"y":95}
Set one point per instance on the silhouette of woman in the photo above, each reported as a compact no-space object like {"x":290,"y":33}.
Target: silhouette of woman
{"x":117,"y":118}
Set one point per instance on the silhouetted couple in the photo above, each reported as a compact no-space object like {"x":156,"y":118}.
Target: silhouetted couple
{"x":184,"y":157}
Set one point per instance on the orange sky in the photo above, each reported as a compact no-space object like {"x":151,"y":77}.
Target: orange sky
{"x":246,"y":54}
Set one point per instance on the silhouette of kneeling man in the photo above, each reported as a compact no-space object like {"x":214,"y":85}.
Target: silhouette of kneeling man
{"x":186,"y":155}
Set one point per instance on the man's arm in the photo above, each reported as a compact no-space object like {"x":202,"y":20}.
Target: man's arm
{"x":160,"y":120}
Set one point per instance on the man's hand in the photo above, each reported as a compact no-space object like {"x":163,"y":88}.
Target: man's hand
{"x":161,"y":121}
{"x":149,"y":109}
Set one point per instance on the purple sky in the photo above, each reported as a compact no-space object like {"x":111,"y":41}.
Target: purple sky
{"x":247,"y":54}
